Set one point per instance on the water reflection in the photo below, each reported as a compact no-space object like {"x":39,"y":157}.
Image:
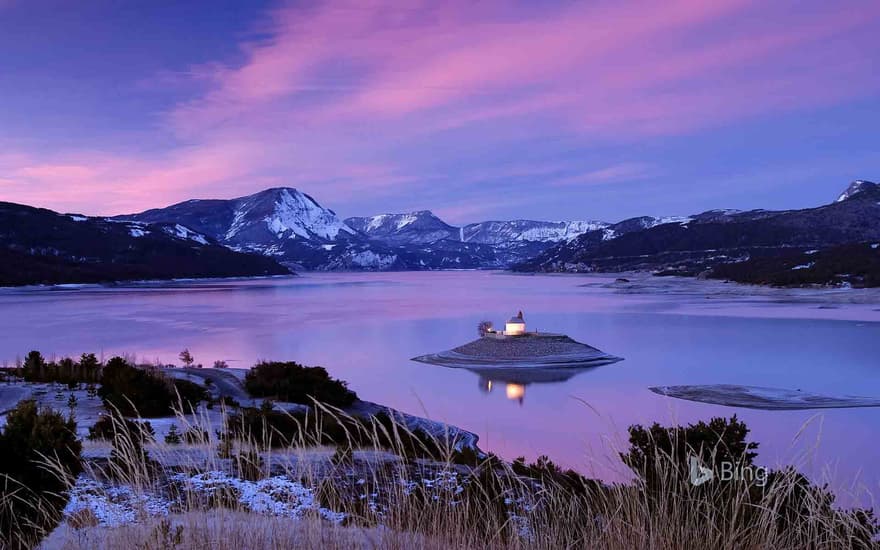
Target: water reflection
{"x":515,"y":380}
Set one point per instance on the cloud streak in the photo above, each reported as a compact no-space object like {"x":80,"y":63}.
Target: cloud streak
{"x":384,"y":97}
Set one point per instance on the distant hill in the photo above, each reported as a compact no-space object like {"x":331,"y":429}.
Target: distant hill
{"x":703,"y":243}
{"x":39,"y":246}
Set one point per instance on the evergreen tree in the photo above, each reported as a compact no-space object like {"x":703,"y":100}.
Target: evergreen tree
{"x":172,"y":437}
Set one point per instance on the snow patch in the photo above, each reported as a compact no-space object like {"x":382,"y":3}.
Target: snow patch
{"x":185,"y":233}
{"x":803,"y":266}
{"x":78,"y":218}
{"x":681,"y":220}
{"x":368,"y":258}
{"x":113,"y":505}
{"x":275,"y":496}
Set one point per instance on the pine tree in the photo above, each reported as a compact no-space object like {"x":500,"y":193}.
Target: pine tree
{"x":71,"y":404}
{"x":172,"y":437}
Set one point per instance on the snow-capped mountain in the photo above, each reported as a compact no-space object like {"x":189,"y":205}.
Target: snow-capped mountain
{"x":259,"y":220}
{"x":413,"y":228}
{"x":295,"y":229}
{"x":694,"y":244}
{"x":283,"y":213}
{"x":291,"y":227}
{"x":500,"y":232}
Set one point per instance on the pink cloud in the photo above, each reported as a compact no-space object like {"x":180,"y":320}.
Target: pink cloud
{"x":330,"y":93}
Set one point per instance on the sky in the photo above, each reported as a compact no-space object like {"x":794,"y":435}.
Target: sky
{"x":475,"y":110}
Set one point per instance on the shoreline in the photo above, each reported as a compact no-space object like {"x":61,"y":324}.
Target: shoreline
{"x":136,"y":283}
{"x":89,"y":409}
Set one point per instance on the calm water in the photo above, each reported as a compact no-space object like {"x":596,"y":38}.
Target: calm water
{"x":365,"y":327}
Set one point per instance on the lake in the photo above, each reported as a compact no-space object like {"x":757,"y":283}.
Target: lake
{"x":365,"y":327}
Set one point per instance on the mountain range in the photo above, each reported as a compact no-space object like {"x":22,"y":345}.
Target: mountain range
{"x":773,"y":243}
{"x":282,"y":229}
{"x":294,"y":229}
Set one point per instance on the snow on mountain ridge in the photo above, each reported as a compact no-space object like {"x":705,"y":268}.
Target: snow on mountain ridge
{"x":854,"y":188}
{"x":303,"y":216}
{"x":497,"y":232}
{"x":287,"y":213}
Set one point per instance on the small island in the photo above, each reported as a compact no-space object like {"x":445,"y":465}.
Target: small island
{"x":515,"y":347}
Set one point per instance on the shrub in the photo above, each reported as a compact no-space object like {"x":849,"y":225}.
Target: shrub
{"x":659,"y":456}
{"x":32,"y":493}
{"x":221,"y":364}
{"x":172,"y":437}
{"x":228,"y":401}
{"x":269,"y":428}
{"x":133,"y":391}
{"x":297,"y":384}
{"x":190,"y":393}
{"x":718,"y":441}
{"x":107,"y":427}
{"x":137,"y":391}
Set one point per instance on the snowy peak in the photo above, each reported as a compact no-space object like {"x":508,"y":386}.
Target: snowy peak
{"x":855,"y":188}
{"x":284,"y":213}
{"x":498,"y":232}
{"x":413,"y":227}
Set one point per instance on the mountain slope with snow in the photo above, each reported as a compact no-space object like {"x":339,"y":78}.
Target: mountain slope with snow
{"x":39,"y":246}
{"x":500,"y":232}
{"x":695,"y":244}
{"x":411,"y":228}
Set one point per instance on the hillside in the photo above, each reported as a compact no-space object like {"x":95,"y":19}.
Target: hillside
{"x":703,"y":242}
{"x":39,"y":246}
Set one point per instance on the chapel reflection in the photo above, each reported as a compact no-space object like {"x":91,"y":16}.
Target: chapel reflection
{"x":515,"y":381}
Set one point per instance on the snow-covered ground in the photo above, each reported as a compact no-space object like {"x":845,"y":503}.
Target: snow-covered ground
{"x":691,"y":296}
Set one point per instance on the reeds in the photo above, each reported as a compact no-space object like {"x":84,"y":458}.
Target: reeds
{"x":384,"y":486}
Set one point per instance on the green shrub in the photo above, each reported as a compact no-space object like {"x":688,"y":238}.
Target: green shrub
{"x":41,"y":457}
{"x":173,"y":436}
{"x":107,"y":427}
{"x":190,"y":393}
{"x":716,"y":442}
{"x":659,"y":456}
{"x":134,"y":391}
{"x":270,"y":428}
{"x":139,"y":391}
{"x":296,"y":383}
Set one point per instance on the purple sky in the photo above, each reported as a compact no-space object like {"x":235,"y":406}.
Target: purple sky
{"x":476,"y":110}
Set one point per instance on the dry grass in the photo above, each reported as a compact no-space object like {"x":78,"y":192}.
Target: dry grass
{"x":412,"y":502}
{"x":223,"y":529}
